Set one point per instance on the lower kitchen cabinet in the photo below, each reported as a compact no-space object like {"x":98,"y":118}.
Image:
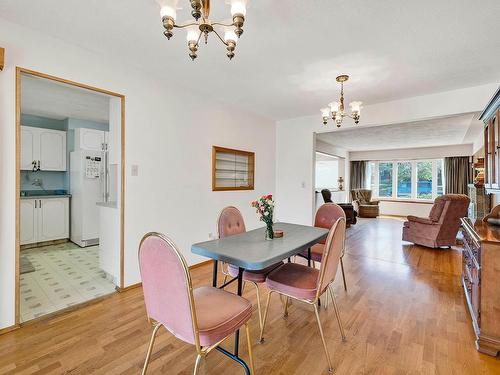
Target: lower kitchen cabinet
{"x":44,"y":219}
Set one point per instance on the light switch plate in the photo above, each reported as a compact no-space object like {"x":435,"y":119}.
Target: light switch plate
{"x":135,"y":170}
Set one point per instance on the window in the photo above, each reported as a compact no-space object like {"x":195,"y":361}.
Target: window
{"x":385,"y":180}
{"x":424,"y":180}
{"x":406,"y":179}
{"x":440,"y":185}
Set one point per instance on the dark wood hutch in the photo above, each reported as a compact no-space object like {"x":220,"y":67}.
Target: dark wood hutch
{"x":481,"y":253}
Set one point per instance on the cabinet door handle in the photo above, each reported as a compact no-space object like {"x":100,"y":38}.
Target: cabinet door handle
{"x":38,"y":164}
{"x":40,"y":203}
{"x":35,"y":203}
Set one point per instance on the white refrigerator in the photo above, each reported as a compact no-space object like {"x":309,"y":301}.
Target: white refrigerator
{"x":89,"y":184}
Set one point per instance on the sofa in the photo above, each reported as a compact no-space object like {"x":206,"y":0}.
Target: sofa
{"x":442,"y":225}
{"x":363,"y":203}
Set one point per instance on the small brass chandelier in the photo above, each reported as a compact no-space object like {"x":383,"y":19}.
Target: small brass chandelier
{"x":204,"y":26}
{"x":337,"y":110}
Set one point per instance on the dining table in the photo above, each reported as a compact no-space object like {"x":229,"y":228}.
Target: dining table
{"x":252,"y":251}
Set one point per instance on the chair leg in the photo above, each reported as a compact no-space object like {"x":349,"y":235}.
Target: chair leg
{"x":250,"y":353}
{"x":197,"y":365}
{"x":285,"y":313}
{"x":150,"y":348}
{"x":337,"y":313}
{"x":343,"y":274}
{"x":261,"y":338}
{"x":225,"y":279}
{"x":258,"y":303}
{"x":330,"y":367}
{"x":325,"y":304}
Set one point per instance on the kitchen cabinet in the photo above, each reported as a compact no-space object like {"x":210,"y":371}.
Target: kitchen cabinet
{"x":44,"y":219}
{"x":28,"y":222}
{"x":44,"y":149}
{"x":90,"y":139}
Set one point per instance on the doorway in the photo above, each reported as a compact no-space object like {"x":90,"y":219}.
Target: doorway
{"x":69,"y":192}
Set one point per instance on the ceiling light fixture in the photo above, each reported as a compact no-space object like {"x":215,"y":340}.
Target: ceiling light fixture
{"x":204,"y":26}
{"x":337,"y":110}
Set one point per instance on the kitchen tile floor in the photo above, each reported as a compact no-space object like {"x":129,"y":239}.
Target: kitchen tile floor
{"x":64,"y":275}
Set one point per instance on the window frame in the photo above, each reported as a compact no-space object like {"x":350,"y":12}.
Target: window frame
{"x":374,"y":169}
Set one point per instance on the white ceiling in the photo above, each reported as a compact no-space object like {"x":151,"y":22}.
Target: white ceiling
{"x":452,"y":130}
{"x":47,"y":98}
{"x":292,"y":50}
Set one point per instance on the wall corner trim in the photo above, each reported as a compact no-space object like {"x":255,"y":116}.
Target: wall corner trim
{"x":2,"y":57}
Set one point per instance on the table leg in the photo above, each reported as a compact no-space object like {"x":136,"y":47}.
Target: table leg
{"x":240,"y":290}
{"x":308,"y":257}
{"x":214,"y":275}
{"x":234,"y":356}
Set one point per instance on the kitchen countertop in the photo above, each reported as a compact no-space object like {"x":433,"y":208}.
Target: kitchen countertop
{"x":46,"y":196}
{"x":108,"y":204}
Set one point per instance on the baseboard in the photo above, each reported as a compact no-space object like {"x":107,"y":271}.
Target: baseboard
{"x":9,"y":329}
{"x":201,"y":264}
{"x":130,"y":287}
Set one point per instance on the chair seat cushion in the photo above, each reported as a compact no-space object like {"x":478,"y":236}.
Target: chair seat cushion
{"x":316,"y":252}
{"x":294,"y":279}
{"x":257,"y":276}
{"x":219,"y":313}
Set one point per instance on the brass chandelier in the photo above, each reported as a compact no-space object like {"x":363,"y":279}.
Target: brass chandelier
{"x":337,"y":110}
{"x":204,"y":26}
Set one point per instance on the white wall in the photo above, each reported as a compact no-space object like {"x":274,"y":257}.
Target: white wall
{"x":169,"y":135}
{"x":294,"y":140}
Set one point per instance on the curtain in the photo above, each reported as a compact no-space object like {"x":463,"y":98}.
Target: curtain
{"x":358,"y":175}
{"x":457,"y":174}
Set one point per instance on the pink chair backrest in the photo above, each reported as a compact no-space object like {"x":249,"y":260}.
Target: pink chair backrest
{"x":230,"y":222}
{"x":327,"y":216}
{"x":331,"y":256}
{"x":166,"y":285}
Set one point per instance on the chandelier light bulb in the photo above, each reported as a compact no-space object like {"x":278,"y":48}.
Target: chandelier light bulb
{"x":355,"y":107}
{"x":325,"y":112}
{"x":193,"y":33}
{"x":238,"y":7}
{"x":168,"y":11}
{"x":230,"y":35}
{"x":334,"y":107}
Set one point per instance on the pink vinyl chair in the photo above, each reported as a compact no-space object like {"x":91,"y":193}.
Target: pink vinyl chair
{"x":307,"y":284}
{"x":203,"y":317}
{"x":229,"y":223}
{"x":326,"y":216}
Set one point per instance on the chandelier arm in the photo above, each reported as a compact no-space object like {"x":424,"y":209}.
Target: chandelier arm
{"x":199,"y":37}
{"x":223,"y":24}
{"x":222,"y":40}
{"x":187,"y":25}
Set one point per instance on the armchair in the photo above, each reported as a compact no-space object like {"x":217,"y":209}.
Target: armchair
{"x":363,"y":203}
{"x":442,"y":225}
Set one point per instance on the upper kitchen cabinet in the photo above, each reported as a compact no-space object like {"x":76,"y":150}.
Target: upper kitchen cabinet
{"x":90,"y":139}
{"x":491,"y":118}
{"x":43,"y":149}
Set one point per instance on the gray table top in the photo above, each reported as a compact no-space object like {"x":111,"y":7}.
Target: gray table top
{"x":251,"y":251}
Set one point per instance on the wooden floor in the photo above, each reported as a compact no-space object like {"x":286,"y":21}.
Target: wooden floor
{"x":404,"y":313}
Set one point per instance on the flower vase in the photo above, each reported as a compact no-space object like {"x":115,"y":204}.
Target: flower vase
{"x":269,"y":231}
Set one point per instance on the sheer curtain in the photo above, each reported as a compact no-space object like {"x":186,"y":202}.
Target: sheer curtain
{"x":358,"y":175}
{"x":457,"y":173}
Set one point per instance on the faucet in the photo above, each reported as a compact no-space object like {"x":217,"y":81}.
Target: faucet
{"x":37,"y":182}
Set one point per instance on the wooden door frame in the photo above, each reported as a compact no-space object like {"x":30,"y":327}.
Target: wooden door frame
{"x":19,"y":72}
